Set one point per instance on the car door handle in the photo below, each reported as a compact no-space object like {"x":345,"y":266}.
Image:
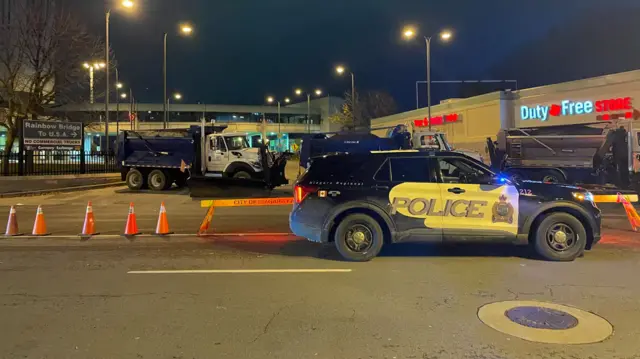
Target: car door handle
{"x":456,"y":190}
{"x":380,"y":187}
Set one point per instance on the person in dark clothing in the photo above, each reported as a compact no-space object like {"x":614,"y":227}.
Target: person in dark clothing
{"x":620,"y":149}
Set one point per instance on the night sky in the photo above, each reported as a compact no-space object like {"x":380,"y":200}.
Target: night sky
{"x":243,"y":50}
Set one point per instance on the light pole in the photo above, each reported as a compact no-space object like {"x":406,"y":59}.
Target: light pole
{"x":127,"y":4}
{"x":185,"y":29}
{"x":270,"y":100}
{"x":341,"y":70}
{"x":92,"y":68}
{"x":299,"y":92}
{"x":176,"y":96}
{"x":445,"y":35}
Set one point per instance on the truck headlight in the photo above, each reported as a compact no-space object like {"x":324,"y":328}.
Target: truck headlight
{"x":256,"y":164}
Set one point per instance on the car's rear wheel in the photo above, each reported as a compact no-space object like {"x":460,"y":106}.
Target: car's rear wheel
{"x":560,"y":237}
{"x":359,"y":237}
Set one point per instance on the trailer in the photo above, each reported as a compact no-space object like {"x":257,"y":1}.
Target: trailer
{"x":599,"y":153}
{"x":197,"y":156}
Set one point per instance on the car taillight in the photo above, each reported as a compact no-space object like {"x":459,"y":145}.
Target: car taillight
{"x":300,"y":192}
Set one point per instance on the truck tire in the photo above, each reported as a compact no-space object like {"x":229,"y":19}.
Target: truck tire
{"x":552,"y":176}
{"x":359,"y":237}
{"x":241,"y":174}
{"x":560,"y":237}
{"x":134,"y":180}
{"x":157,"y":180}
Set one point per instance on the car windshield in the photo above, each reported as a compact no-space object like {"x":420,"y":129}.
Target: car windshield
{"x":236,"y":142}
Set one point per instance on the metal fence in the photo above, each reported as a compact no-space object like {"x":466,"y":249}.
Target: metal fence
{"x":33,"y":163}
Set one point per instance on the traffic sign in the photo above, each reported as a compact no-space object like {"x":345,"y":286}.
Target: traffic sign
{"x":51,"y":135}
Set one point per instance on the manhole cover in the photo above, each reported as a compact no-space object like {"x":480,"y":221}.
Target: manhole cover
{"x":542,"y":318}
{"x":545,"y":322}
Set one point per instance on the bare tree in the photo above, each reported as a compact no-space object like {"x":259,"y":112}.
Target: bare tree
{"x":41,"y":56}
{"x":371,"y":105}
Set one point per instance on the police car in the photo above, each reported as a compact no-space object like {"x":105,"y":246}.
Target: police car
{"x":362,"y":201}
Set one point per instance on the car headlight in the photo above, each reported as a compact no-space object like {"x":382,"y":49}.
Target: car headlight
{"x":583,"y":196}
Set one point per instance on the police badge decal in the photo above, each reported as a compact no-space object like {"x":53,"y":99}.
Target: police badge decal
{"x":502,"y":211}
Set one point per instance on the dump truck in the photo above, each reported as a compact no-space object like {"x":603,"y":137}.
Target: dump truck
{"x":199,"y":157}
{"x":599,"y":153}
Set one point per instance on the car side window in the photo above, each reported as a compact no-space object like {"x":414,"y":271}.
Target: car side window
{"x":384,"y":173}
{"x":456,"y":170}
{"x":411,"y":169}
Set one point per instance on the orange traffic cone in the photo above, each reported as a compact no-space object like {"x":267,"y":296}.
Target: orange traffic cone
{"x":163,"y":223}
{"x":632,"y":215}
{"x":131,"y":228}
{"x":39,"y":226}
{"x":12,"y":224}
{"x":89,"y":227}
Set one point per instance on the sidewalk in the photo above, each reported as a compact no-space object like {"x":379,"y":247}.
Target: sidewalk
{"x":15,"y":186}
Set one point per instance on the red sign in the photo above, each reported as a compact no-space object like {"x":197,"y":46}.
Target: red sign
{"x":437,"y":120}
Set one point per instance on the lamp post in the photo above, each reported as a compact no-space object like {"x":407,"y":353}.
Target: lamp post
{"x":176,"y":96}
{"x":185,"y":29}
{"x":317,"y":92}
{"x":341,"y":70}
{"x":445,"y":35}
{"x":270,"y":100}
{"x":92,"y":68}
{"x":126,"y":4}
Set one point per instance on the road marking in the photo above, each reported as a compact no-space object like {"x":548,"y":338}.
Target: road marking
{"x":237,"y":271}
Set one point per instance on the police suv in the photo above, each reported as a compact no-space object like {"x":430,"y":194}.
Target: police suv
{"x":362,"y":201}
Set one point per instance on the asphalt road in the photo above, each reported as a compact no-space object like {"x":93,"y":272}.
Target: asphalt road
{"x":66,"y":299}
{"x":64,"y":212}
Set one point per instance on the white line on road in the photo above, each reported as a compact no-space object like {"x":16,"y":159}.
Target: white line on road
{"x":238,"y":271}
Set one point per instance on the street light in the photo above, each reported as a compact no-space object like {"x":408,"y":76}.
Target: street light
{"x":119,"y":85}
{"x":127,"y":4}
{"x":445,"y":35}
{"x":177,"y":96}
{"x":123,"y":95}
{"x":341,"y":70}
{"x":299,"y":92}
{"x":270,"y":100}
{"x":92,"y":67}
{"x":185,"y":29}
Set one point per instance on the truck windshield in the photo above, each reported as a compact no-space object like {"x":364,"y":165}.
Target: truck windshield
{"x":236,"y":142}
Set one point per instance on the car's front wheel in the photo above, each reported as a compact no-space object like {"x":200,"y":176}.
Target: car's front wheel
{"x":560,"y":237}
{"x":359,"y":237}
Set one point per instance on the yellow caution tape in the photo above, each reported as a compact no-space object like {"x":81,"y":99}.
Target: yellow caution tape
{"x":247,"y":202}
{"x":613,"y":198}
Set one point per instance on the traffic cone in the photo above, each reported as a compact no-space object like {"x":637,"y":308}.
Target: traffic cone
{"x":89,"y":227}
{"x":39,"y":226}
{"x":131,"y":228}
{"x":163,"y":223}
{"x":632,"y":214}
{"x":12,"y":224}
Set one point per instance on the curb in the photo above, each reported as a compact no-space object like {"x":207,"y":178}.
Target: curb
{"x":60,"y":190}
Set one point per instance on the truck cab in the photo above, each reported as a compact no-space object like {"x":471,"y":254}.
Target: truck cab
{"x":437,"y":141}
{"x":229,"y":155}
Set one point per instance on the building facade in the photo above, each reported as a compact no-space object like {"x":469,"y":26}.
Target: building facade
{"x":468,"y":122}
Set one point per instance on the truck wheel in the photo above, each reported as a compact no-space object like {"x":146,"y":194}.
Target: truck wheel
{"x":553,"y":177}
{"x":134,"y":179}
{"x":359,"y":238}
{"x":241,"y":174}
{"x":157,"y":180}
{"x":560,"y":237}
